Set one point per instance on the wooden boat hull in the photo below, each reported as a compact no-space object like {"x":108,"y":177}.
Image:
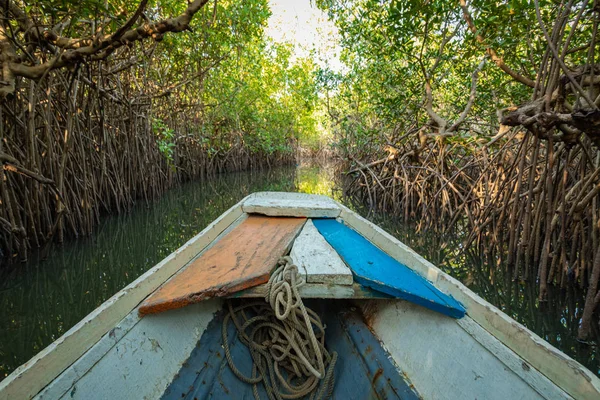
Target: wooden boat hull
{"x":115,"y":353}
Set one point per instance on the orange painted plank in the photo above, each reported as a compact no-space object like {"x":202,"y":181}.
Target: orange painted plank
{"x":243,"y":258}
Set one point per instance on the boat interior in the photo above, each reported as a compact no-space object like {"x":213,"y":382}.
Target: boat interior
{"x":363,"y":371}
{"x":328,"y":256}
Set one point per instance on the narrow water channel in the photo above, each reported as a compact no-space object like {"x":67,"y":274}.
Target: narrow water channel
{"x":41,"y":300}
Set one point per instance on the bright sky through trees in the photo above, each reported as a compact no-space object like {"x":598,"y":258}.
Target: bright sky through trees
{"x":307,"y":27}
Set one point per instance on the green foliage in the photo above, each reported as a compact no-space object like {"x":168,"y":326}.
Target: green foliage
{"x":221,"y":84}
{"x":58,"y":8}
{"x":250,"y":91}
{"x":165,"y":137}
{"x":391,"y":49}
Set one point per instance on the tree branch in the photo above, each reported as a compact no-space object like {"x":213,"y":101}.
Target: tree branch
{"x":472,"y":96}
{"x":197,"y":75}
{"x":499,"y":61}
{"x":439,"y":121}
{"x":117,"y":35}
{"x":11,"y":164}
{"x":82,"y":49}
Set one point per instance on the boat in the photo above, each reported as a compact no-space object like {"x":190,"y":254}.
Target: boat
{"x":394,"y":325}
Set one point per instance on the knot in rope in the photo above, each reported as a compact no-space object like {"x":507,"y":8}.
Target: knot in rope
{"x":282,"y":289}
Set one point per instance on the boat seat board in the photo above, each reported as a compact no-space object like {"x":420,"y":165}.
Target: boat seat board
{"x":375,"y":269}
{"x":243,"y":258}
{"x":317,"y":259}
{"x":319,"y":291}
{"x":291,"y":204}
{"x":363,"y":370}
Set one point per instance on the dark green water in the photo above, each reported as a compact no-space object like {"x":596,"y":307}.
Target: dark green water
{"x":41,"y":300}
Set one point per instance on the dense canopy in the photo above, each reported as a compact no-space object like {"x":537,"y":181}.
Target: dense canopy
{"x":104,"y":102}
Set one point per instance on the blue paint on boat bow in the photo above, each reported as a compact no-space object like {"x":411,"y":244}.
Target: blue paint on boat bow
{"x":364,"y":369}
{"x":375,"y":269}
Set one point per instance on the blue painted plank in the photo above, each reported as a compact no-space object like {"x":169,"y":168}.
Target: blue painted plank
{"x":375,"y":269}
{"x":364,"y":369}
{"x":206,"y":373}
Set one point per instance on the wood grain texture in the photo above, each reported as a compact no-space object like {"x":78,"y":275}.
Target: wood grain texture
{"x":364,"y":369}
{"x":510,"y":359}
{"x":146,"y":359}
{"x":243,"y":258}
{"x":561,"y":369}
{"x":291,"y":205}
{"x":445,"y":362}
{"x":69,"y":377}
{"x":375,"y":269}
{"x":317,"y":259}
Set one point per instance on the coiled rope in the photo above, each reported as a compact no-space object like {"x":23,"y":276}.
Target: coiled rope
{"x":286,"y":340}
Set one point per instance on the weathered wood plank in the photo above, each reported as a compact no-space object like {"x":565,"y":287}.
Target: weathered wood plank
{"x":317,"y":259}
{"x":291,"y":205}
{"x":70,"y":376}
{"x":143,"y":363}
{"x":27,"y":380}
{"x":320,"y":291}
{"x":516,"y":364}
{"x":243,"y":258}
{"x":561,"y":369}
{"x":375,"y":269}
{"x":364,"y":369}
{"x":445,"y":362}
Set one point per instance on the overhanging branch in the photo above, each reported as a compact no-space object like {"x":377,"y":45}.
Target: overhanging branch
{"x":499,"y":61}
{"x":78,"y":50}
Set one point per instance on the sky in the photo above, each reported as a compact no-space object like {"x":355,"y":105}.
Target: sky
{"x":307,"y":27}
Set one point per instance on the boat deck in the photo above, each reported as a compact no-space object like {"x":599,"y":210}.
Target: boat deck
{"x":364,"y":369}
{"x":331,"y":257}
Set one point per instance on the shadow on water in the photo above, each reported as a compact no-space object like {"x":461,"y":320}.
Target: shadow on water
{"x":41,"y":300}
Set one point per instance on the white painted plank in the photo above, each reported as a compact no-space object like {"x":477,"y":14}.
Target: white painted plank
{"x":532,"y":376}
{"x":143,"y":363}
{"x":567,"y":373}
{"x":67,"y":379}
{"x":27,"y":380}
{"x":444,"y":361}
{"x":319,"y":261}
{"x":280,"y":204}
{"x":319,"y":291}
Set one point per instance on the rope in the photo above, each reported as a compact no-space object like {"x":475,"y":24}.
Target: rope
{"x":286,"y":341}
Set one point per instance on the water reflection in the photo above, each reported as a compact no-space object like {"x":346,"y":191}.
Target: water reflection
{"x":317,"y":179}
{"x":39,"y":301}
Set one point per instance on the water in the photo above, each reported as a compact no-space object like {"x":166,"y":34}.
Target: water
{"x":41,"y":300}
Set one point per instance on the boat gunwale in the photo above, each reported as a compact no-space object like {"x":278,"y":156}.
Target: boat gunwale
{"x":33,"y":376}
{"x":578,"y":381}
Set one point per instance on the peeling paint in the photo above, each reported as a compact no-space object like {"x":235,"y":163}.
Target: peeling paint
{"x":155,"y":344}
